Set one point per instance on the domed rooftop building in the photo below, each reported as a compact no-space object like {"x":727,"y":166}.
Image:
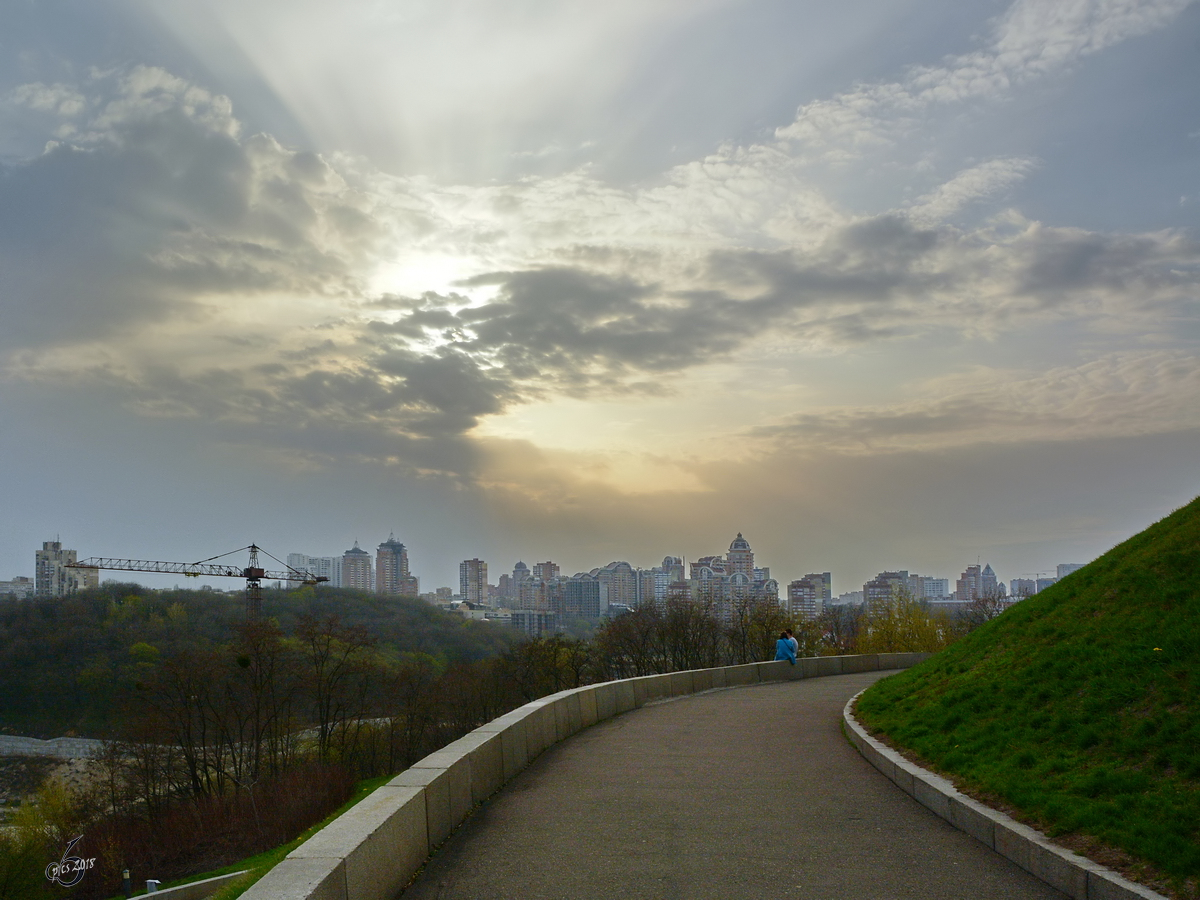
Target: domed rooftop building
{"x":741,"y":557}
{"x":729,"y":582}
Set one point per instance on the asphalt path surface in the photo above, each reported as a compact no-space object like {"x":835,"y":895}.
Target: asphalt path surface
{"x":745,"y":793}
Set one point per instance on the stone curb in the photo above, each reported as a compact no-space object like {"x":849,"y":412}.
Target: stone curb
{"x":374,"y":848}
{"x":196,"y":890}
{"x":1074,"y":875}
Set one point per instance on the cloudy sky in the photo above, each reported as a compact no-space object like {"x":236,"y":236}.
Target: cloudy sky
{"x":880,"y":284}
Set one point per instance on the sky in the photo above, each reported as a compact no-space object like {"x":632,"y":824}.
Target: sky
{"x":880,"y":284}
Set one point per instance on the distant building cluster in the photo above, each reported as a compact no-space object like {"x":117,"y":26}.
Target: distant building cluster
{"x":20,"y":587}
{"x":52,"y":577}
{"x":387,"y":573}
{"x":807,"y":597}
{"x":1030,"y":584}
{"x":538,"y":600}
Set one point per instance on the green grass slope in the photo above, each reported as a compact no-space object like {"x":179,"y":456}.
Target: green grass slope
{"x":1078,"y":706}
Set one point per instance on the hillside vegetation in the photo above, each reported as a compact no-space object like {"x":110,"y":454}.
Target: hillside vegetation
{"x":66,"y":664}
{"x":1078,"y":706}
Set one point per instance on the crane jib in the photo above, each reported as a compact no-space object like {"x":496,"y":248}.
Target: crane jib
{"x":253,"y":574}
{"x":194,"y":569}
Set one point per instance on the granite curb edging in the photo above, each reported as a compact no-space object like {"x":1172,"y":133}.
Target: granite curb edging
{"x":1076,"y":876}
{"x":375,"y":848}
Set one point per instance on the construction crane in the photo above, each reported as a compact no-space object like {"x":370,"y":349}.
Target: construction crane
{"x":253,"y":573}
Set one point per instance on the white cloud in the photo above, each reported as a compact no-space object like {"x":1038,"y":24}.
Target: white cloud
{"x":53,"y":98}
{"x":1033,"y":39}
{"x":978,"y":182}
{"x":147,"y":91}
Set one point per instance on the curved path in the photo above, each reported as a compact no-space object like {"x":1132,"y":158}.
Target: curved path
{"x":746,"y":793}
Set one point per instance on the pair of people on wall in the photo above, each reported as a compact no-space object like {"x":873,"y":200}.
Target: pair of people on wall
{"x":786,"y":646}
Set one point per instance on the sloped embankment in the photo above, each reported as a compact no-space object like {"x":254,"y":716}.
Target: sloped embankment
{"x":1078,"y":707}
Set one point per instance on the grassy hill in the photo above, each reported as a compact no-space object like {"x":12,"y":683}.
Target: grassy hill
{"x":1078,"y":707}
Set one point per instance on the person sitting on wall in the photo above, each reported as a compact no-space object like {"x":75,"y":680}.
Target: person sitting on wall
{"x":784,"y":649}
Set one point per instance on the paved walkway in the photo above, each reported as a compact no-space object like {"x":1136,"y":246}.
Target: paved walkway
{"x":747,"y":793}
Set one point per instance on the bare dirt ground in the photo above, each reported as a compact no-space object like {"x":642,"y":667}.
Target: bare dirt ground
{"x":21,"y":776}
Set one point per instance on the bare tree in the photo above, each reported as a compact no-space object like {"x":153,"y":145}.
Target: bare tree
{"x":691,"y":636}
{"x":330,"y":651}
{"x":840,"y":626}
{"x":631,"y":645}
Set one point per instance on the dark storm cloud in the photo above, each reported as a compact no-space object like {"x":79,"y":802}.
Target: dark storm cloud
{"x":870,"y":261}
{"x":574,"y":331}
{"x":582,"y":328}
{"x":1057,"y":263}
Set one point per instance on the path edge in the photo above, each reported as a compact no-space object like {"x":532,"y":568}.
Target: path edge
{"x":1074,"y":875}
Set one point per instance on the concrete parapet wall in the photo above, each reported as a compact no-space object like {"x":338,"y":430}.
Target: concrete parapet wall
{"x":372,"y":850}
{"x":1074,"y":875}
{"x":58,"y":748}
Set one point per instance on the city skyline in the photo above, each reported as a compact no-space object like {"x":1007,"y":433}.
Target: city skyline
{"x":388,"y":572}
{"x":880,"y":284}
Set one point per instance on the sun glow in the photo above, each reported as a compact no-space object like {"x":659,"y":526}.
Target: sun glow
{"x":416,"y":274}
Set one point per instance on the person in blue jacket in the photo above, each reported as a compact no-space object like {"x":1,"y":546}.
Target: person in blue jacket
{"x":784,"y":649}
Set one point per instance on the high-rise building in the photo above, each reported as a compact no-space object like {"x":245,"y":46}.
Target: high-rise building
{"x":1065,"y":569}
{"x":473,"y":580}
{"x":328,"y":567}
{"x":532,"y":594}
{"x":804,"y":598}
{"x":987,"y":582}
{"x":391,"y":570}
{"x":356,"y":569}
{"x":51,"y":576}
{"x":504,"y":587}
{"x":648,"y":581}
{"x":299,"y":562}
{"x":885,"y":587}
{"x":935,"y":588}
{"x":708,"y":567}
{"x":545,"y":571}
{"x":975,"y":583}
{"x":1022,"y":587}
{"x":534,"y":622}
{"x":726,"y":584}
{"x":740,"y":557}
{"x":824,"y":583}
{"x":20,"y":587}
{"x":622,"y":582}
{"x":672,"y":567}
{"x":585,"y":595}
